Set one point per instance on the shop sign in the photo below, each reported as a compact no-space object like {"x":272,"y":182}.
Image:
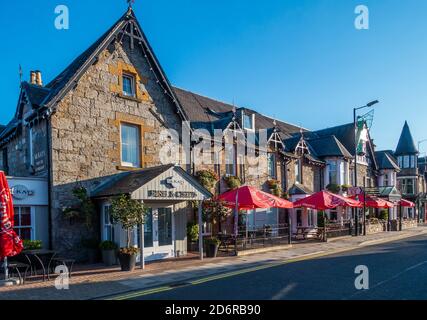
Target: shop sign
{"x":171,"y":194}
{"x":21,"y":192}
{"x":174,"y":182}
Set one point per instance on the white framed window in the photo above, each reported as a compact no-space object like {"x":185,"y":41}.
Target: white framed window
{"x":249,"y":122}
{"x":271,"y":162}
{"x":128,"y":85}
{"x":406,"y":162}
{"x":386,"y":180}
{"x":230,"y":160}
{"x":108,"y":226}
{"x":408,"y":186}
{"x":24,"y":222}
{"x":332,"y":172}
{"x":130,"y":145}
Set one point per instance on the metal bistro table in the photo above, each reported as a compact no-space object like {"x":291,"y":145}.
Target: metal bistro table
{"x":40,"y":259}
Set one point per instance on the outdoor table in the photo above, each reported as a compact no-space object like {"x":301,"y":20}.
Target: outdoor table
{"x":42,"y":257}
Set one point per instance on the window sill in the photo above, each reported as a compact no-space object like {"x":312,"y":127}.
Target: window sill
{"x":125,"y":168}
{"x":123,"y":96}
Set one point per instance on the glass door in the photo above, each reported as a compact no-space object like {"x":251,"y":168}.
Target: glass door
{"x":164,"y":227}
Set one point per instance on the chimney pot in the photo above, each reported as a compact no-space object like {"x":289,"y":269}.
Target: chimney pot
{"x":33,"y":77}
{"x":39,"y":80}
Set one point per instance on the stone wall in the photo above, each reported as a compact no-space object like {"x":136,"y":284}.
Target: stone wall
{"x":86,"y":133}
{"x":372,"y":228}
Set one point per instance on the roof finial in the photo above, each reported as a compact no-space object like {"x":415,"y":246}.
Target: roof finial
{"x":301,"y":130}
{"x":130,"y":3}
{"x":20,"y":74}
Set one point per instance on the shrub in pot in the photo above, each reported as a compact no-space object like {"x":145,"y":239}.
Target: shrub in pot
{"x":212,"y":245}
{"x":192,"y":236}
{"x":129,"y":213}
{"x":127,"y":258}
{"x":109,"y":252}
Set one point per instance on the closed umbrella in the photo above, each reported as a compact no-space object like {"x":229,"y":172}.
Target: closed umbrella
{"x":374,"y":202}
{"x":10,"y":243}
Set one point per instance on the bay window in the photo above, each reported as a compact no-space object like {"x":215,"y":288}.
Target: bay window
{"x":408,"y":186}
{"x":332,"y":172}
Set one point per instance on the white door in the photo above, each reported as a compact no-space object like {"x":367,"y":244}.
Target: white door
{"x":159,"y":233}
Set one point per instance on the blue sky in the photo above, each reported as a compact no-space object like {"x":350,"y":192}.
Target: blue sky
{"x":301,"y":61}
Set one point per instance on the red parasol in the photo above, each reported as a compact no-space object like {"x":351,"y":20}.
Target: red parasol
{"x":249,"y":198}
{"x":374,"y":202}
{"x":325,"y":200}
{"x":406,"y":203}
{"x":10,"y":243}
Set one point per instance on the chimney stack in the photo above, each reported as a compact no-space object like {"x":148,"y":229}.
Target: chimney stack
{"x":39,"y":80}
{"x":33,"y":77}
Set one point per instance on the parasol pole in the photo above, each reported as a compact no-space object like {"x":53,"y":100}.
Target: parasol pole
{"x":236,"y":220}
{"x":6,"y":270}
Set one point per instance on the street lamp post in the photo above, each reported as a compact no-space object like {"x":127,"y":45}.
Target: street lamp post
{"x":356,"y":142}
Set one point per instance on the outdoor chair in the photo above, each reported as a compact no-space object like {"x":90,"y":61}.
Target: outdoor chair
{"x":19,"y":269}
{"x":55,"y":262}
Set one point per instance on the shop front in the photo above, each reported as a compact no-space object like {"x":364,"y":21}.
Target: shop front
{"x":166,"y":191}
{"x":30,"y":200}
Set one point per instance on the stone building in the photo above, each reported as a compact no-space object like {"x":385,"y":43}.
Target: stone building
{"x":111,"y":123}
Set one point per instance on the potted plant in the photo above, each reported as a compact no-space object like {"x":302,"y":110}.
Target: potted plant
{"x":334,"y":188}
{"x":129,"y":213}
{"x":32,"y":244}
{"x":212,"y":246}
{"x":274,"y":186}
{"x":91,"y":245}
{"x":109,"y":252}
{"x":192,"y":236}
{"x":207,"y":178}
{"x":232,"y":182}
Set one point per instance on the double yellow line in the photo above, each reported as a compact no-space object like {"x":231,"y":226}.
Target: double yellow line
{"x":142,"y":293}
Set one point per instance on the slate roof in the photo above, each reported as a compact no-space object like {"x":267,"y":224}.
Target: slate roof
{"x":320,"y":147}
{"x":200,"y":109}
{"x":298,"y":189}
{"x":386,"y":161}
{"x":344,"y":133}
{"x":406,"y":143}
{"x":128,"y":182}
{"x":36,"y":94}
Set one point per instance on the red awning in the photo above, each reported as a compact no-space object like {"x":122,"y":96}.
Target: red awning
{"x":406,"y":203}
{"x":325,"y":200}
{"x":250,"y":198}
{"x":10,"y":244}
{"x":374,"y":202}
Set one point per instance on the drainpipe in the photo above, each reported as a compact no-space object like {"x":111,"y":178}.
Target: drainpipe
{"x":49,"y":182}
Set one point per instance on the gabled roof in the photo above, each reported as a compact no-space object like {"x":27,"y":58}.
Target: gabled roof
{"x":320,"y":147}
{"x":131,"y":181}
{"x":386,"y":161}
{"x":329,"y":146}
{"x":344,"y":133}
{"x":406,"y":143}
{"x":299,"y":189}
{"x":36,"y":94}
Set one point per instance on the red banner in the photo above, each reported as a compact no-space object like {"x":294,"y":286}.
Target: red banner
{"x":10,"y":243}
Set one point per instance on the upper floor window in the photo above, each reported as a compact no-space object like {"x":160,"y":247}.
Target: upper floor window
{"x":271,"y":159}
{"x":408,"y":186}
{"x":128,"y":85}
{"x":386,"y":182}
{"x":332,"y":172}
{"x":230,"y":160}
{"x":298,"y":176}
{"x":131,"y":145}
{"x":249,"y":121}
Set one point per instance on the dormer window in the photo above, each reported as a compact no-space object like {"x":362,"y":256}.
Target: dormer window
{"x":249,"y":122}
{"x":129,"y":85}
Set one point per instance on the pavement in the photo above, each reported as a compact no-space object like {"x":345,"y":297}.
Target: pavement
{"x":98,"y":282}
